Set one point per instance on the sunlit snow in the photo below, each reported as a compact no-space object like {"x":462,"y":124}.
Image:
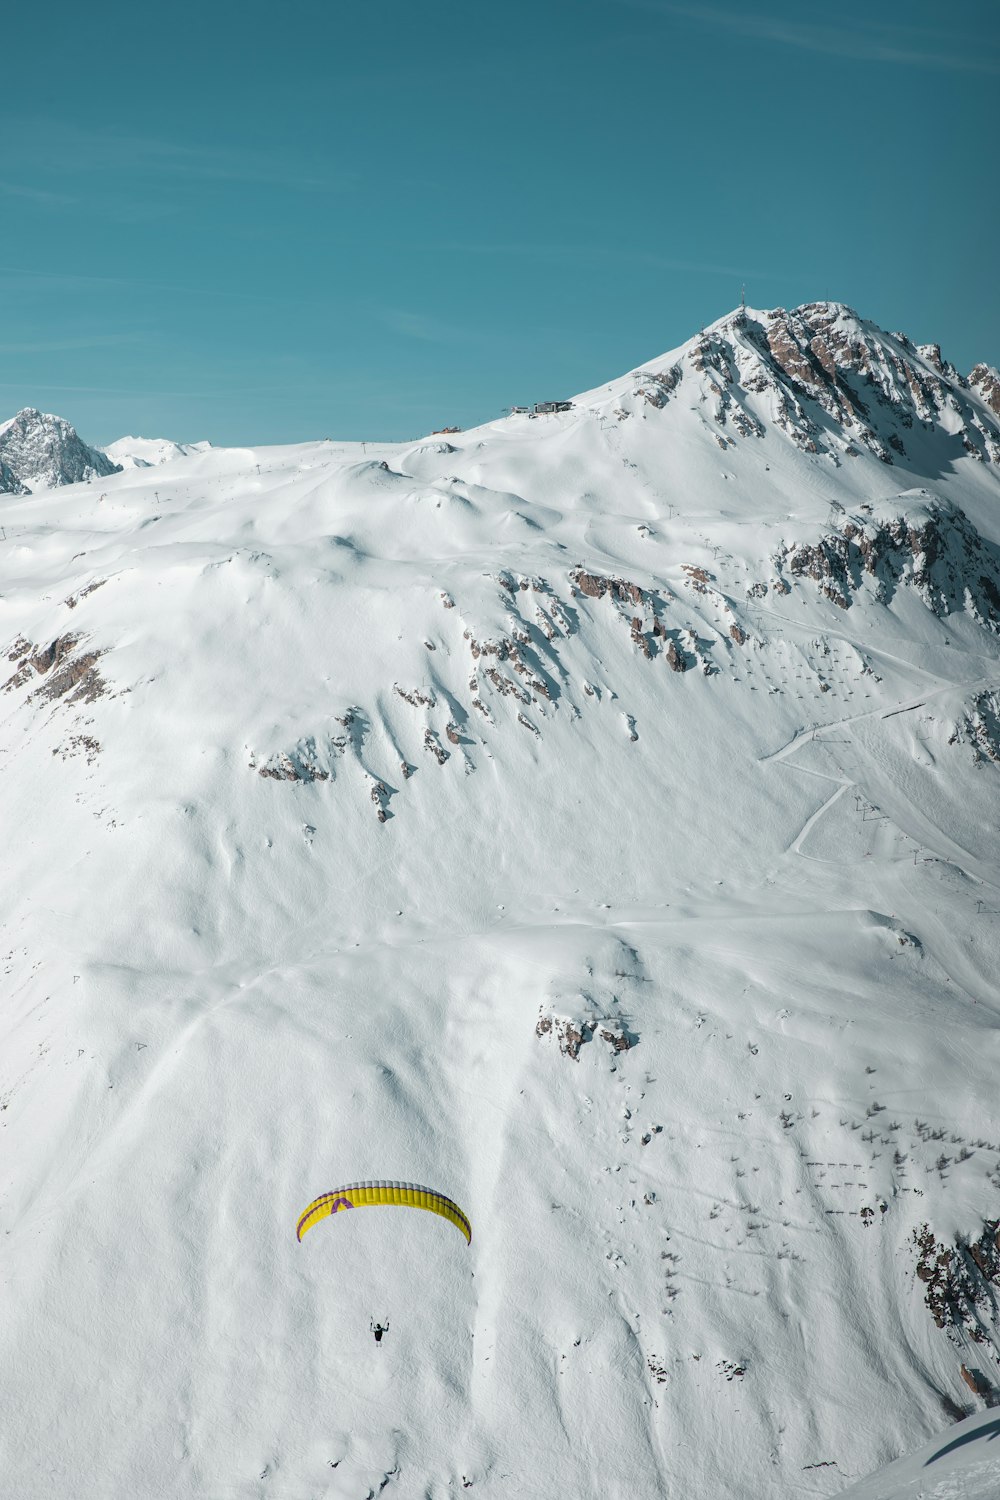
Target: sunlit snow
{"x":562,"y":814}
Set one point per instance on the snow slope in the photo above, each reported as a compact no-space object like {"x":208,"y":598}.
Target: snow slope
{"x":592,"y":817}
{"x":960,"y":1464}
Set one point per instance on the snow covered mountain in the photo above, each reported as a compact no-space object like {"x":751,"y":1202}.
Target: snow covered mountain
{"x":39,"y":451}
{"x":144,"y":453}
{"x":591,"y":815}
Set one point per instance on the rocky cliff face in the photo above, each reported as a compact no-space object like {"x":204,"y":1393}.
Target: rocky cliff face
{"x":921,"y":543}
{"x":986,"y":382}
{"x":39,"y":451}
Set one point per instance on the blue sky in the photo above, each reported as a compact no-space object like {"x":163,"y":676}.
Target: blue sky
{"x":261,"y":223}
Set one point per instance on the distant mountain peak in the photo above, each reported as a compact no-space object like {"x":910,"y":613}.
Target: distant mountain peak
{"x":40,"y":451}
{"x":144,"y":453}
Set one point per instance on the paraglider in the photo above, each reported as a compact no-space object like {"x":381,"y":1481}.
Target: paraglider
{"x":378,"y":1329}
{"x":384,"y":1194}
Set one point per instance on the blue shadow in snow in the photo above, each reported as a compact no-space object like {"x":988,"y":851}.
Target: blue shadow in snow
{"x":989,"y":1431}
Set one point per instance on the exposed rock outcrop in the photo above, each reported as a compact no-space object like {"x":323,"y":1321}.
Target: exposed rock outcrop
{"x":961,"y":1284}
{"x":68,"y":673}
{"x":926,"y":545}
{"x":39,"y":451}
{"x":980,"y":728}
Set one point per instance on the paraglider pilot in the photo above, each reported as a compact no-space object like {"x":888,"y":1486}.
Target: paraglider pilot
{"x":378,"y":1329}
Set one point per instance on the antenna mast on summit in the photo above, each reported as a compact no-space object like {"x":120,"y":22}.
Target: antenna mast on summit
{"x":743,"y":298}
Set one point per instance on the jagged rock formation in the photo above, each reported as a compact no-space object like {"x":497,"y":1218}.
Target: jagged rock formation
{"x":986,"y":381}
{"x":67,"y":671}
{"x":835,"y":384}
{"x":570,"y":1034}
{"x":961,"y":1282}
{"x":39,"y":451}
{"x":980,"y":727}
{"x":924,"y":544}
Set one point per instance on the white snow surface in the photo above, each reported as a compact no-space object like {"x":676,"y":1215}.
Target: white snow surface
{"x":962,"y":1463}
{"x":356,"y":826}
{"x":140,"y":452}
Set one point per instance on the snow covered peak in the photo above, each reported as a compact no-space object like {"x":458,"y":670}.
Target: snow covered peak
{"x":40,"y":451}
{"x":834,"y":383}
{"x":144,"y":453}
{"x":593,"y":815}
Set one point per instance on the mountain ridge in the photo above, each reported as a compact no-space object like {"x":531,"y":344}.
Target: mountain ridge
{"x":140,"y":452}
{"x":823,"y":356}
{"x":807,"y":354}
{"x":592,"y":816}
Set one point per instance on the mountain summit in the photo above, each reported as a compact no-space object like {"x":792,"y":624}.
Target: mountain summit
{"x":39,"y":451}
{"x":832,"y":382}
{"x":591,"y":815}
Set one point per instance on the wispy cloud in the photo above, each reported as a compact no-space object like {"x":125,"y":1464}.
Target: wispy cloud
{"x":21,"y":279}
{"x":85,"y":341}
{"x":422,"y":327}
{"x":621,"y":255}
{"x":68,"y":149}
{"x":419,"y":326}
{"x":37,"y":195}
{"x":225,"y":391}
{"x":865,"y":41}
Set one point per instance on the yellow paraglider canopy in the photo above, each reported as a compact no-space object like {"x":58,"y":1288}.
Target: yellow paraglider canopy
{"x":382,"y":1194}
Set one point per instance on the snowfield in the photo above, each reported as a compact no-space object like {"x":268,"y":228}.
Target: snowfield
{"x":593,"y":817}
